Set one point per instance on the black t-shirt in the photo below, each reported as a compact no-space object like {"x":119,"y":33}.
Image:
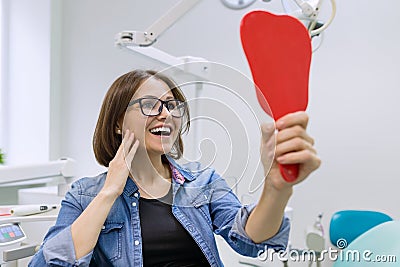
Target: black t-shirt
{"x":165,"y":242}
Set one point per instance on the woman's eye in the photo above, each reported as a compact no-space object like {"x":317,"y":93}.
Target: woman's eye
{"x":171,"y":106}
{"x":180,"y":106}
{"x":148,"y":105}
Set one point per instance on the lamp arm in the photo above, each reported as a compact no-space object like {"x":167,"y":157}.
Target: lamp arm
{"x":150,"y":35}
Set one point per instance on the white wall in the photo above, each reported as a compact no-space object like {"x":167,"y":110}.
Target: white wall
{"x":27,"y":81}
{"x":2,"y":63}
{"x":354,"y":114}
{"x":353,"y":92}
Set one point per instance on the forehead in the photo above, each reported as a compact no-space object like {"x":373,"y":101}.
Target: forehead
{"x":154,"y":87}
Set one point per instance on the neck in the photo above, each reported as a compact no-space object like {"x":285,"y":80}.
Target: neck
{"x":148,"y":169}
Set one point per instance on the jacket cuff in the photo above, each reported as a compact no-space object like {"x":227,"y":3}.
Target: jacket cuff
{"x":60,"y":250}
{"x":240,"y":238}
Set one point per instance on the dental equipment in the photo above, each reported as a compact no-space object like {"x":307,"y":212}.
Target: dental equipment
{"x":14,"y":175}
{"x":12,"y":236}
{"x":346,"y":225}
{"x":378,"y":246}
{"x":237,"y":4}
{"x":309,"y":11}
{"x":148,"y":37}
{"x":315,"y":239}
{"x":140,"y":41}
{"x":27,"y":210}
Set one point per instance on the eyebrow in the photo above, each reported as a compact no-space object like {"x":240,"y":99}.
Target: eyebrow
{"x":152,"y":96}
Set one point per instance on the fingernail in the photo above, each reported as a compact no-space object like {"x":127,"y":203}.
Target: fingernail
{"x":281,"y":159}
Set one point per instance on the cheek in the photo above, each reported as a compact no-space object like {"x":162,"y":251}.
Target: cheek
{"x":178,"y":126}
{"x":178,"y":123}
{"x":135,"y":124}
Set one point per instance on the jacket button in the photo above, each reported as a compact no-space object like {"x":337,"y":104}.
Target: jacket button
{"x":136,"y":195}
{"x":103,"y":227}
{"x":134,"y":204}
{"x":190,"y":228}
{"x":136,"y":242}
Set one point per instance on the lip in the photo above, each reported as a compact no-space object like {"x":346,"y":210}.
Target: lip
{"x":161,"y":125}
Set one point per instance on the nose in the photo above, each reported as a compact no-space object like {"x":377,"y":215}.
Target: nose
{"x":164,"y":113}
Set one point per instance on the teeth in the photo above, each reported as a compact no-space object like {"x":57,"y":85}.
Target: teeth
{"x":161,"y":129}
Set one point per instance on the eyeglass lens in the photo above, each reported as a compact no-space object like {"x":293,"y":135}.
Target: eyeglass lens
{"x":152,"y":107}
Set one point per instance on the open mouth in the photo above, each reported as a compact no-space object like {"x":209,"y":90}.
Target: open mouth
{"x":161,"y":131}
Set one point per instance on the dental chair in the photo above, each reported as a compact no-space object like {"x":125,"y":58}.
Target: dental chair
{"x":347,"y":225}
{"x":367,"y":238}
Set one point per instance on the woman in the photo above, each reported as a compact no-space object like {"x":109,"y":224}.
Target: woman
{"x":147,"y":210}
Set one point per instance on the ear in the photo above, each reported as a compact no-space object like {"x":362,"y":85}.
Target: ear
{"x":118,"y":127}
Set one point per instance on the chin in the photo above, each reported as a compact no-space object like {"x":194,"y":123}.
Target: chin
{"x":160,"y":150}
{"x":159,"y":146}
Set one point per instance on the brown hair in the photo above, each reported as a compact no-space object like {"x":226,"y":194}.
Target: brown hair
{"x":105,"y":139}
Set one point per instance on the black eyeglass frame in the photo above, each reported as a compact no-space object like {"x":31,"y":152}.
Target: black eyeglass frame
{"x":163,"y":103}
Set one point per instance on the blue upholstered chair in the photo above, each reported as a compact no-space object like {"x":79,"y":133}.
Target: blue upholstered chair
{"x":379,"y":246}
{"x":367,"y":238}
{"x":347,"y":225}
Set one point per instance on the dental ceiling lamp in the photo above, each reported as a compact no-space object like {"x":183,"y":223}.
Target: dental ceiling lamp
{"x":307,"y":11}
{"x":238,"y":4}
{"x":150,"y":35}
{"x":142,"y":41}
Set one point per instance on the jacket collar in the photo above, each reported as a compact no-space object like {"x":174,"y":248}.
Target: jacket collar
{"x":130,"y":187}
{"x":180,"y":174}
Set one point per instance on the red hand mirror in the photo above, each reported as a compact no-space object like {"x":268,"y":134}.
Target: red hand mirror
{"x":278,"y":49}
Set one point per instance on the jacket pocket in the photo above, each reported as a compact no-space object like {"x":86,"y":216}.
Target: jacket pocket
{"x":110,"y":240}
{"x":201,"y":203}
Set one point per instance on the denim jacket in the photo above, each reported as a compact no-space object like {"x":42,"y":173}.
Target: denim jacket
{"x":202,"y":202}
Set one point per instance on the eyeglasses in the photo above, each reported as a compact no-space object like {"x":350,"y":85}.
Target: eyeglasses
{"x":151,"y":106}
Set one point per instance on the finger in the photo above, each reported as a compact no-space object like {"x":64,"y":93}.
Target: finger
{"x":292,"y":145}
{"x":132,"y":152}
{"x":267,"y":131}
{"x":301,"y":157}
{"x":121,"y":146}
{"x":293,"y":132}
{"x":129,"y":139}
{"x":126,"y":143}
{"x":291,"y":119}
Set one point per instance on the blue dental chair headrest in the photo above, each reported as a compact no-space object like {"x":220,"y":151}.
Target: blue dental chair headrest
{"x":347,"y":225}
{"x":377,"y":247}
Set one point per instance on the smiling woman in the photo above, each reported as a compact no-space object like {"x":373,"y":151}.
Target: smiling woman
{"x":147,"y":209}
{"x":129,"y":95}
